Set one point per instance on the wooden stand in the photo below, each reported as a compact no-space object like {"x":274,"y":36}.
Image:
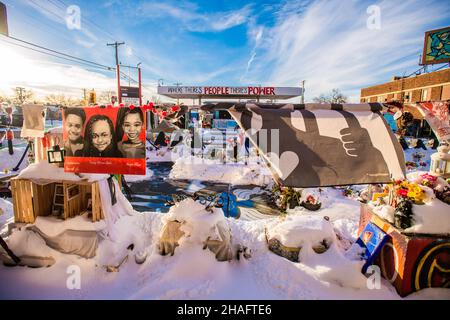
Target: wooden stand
{"x":410,"y":261}
{"x":36,"y":198}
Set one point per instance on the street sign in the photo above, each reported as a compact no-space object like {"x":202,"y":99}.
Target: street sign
{"x":129,"y":92}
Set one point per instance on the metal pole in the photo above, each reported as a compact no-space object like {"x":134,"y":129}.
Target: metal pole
{"x":303,"y":92}
{"x":140,"y":86}
{"x":119,"y":95}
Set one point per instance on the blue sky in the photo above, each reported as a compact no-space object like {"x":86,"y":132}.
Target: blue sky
{"x":280,"y":43}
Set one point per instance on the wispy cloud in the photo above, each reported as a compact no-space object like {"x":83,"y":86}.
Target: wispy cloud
{"x":188,"y":14}
{"x":329,"y":45}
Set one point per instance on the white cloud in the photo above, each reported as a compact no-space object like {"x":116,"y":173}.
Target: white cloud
{"x":328,"y":44}
{"x":188,"y":14}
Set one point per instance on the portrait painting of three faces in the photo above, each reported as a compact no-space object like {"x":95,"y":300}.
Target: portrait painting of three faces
{"x":94,"y":132}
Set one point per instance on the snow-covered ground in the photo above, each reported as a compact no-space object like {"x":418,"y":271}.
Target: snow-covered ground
{"x":8,"y":162}
{"x":194,"y":273}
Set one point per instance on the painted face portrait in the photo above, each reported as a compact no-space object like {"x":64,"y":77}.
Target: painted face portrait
{"x":132,"y":127}
{"x":101,"y":135}
{"x":74,"y":127}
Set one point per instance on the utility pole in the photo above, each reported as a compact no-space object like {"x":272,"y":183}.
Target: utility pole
{"x":116,"y":46}
{"x":177,"y":84}
{"x":19,"y":91}
{"x":84,"y":96}
{"x":140,"y":83}
{"x":303,"y":92}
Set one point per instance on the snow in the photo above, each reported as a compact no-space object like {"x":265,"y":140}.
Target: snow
{"x":197,"y":223}
{"x":194,"y":273}
{"x":214,"y":170}
{"x":48,"y":171}
{"x":432,"y":218}
{"x":8,"y":161}
{"x":301,"y":231}
{"x":6,"y":214}
{"x":25,"y":242}
{"x":385,"y":211}
{"x":138,"y":178}
{"x":52,"y":226}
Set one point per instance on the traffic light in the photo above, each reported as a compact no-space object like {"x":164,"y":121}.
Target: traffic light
{"x":92,"y":98}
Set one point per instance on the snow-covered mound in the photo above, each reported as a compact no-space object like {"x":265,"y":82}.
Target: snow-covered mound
{"x":302,"y":231}
{"x":197,"y":223}
{"x":214,"y":170}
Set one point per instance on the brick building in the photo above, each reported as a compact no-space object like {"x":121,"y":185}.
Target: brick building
{"x":431,"y":86}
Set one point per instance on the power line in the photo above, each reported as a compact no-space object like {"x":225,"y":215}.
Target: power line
{"x":54,"y":55}
{"x":61,"y":53}
{"x":45,"y":9}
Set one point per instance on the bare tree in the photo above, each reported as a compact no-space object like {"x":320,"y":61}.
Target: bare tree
{"x":105,"y":97}
{"x":62,"y":100}
{"x":335,"y":96}
{"x":22,"y":96}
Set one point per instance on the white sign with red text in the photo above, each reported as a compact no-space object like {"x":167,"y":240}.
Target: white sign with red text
{"x":223,"y":92}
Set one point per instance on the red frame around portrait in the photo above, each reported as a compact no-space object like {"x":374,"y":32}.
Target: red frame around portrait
{"x":105,"y":165}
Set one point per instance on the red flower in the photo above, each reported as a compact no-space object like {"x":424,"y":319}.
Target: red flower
{"x":164,"y":114}
{"x":175,"y":108}
{"x":131,"y":106}
{"x":154,"y":111}
{"x":402,"y":193}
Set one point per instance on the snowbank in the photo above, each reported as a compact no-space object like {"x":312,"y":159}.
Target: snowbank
{"x":214,"y":170}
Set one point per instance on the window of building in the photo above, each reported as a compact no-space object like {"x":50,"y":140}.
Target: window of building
{"x":425,"y":95}
{"x":407,"y":96}
{"x":445,"y":92}
{"x":381,"y":99}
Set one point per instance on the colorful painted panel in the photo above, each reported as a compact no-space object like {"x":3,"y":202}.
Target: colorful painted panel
{"x":372,"y":240}
{"x":436,"y":48}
